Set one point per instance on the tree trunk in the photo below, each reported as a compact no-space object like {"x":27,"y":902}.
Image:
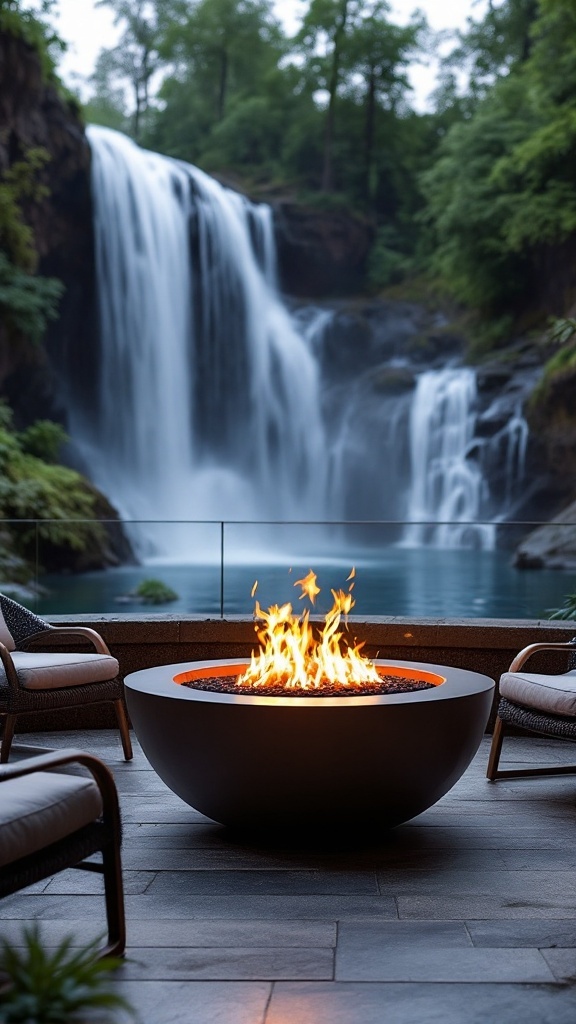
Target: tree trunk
{"x":223,"y":84}
{"x":369,"y":125}
{"x":327,"y":170}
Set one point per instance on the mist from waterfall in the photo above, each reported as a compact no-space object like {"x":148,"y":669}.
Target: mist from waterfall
{"x":213,"y":401}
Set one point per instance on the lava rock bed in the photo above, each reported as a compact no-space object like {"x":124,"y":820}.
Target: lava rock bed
{"x":389,"y":684}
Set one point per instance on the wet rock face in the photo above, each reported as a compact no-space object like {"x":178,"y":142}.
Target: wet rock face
{"x":552,"y":546}
{"x":33,"y":114}
{"x":553,"y":419}
{"x":321,"y":252}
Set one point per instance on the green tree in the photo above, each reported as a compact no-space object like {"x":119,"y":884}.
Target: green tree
{"x":503,"y":189}
{"x":135,"y":59}
{"x":323,"y":36}
{"x":376,"y":58}
{"x":495,"y":45}
{"x":218,"y":102}
{"x":107,"y":105}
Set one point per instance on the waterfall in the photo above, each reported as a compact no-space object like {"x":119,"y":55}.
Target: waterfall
{"x":448,"y":491}
{"x":207,"y":404}
{"x":212,"y":401}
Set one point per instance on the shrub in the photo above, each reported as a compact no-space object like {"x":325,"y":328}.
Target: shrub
{"x":52,"y":986}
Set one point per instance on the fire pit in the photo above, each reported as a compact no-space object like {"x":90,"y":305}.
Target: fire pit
{"x":268,"y":762}
{"x":248,"y":759}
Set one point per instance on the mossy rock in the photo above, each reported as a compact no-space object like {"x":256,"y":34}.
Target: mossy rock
{"x":393,"y":380}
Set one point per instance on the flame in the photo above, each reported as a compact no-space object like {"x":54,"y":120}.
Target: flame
{"x":291,"y":655}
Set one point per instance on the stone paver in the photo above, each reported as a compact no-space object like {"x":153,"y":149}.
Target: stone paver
{"x":466,"y":915}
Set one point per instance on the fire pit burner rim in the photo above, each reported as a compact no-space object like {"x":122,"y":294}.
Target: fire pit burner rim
{"x":160,"y":681}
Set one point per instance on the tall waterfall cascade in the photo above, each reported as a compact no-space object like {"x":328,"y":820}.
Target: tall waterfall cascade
{"x":210,"y":402}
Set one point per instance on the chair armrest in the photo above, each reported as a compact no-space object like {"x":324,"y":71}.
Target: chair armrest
{"x":527,"y":652}
{"x":100,"y":772}
{"x":9,"y":668}
{"x":90,"y":634}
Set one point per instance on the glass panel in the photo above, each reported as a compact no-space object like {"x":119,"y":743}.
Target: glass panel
{"x":181,"y":557}
{"x":395,"y":573}
{"x":18,"y":564}
{"x":399,"y":571}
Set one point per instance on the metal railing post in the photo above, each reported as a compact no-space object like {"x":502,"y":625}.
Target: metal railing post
{"x":221,"y":569}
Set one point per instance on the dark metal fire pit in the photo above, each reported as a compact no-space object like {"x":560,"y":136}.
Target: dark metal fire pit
{"x":276,"y":762}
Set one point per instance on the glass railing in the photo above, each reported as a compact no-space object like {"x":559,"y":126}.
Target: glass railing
{"x":417,"y":570}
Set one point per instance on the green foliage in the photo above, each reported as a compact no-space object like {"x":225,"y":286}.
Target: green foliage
{"x":387,"y":263}
{"x":135,"y":58}
{"x":27,"y":301}
{"x":561,"y":335}
{"x":32,"y":489}
{"x":466,"y":213}
{"x":154,"y":591}
{"x":18,"y":184}
{"x":43,"y":439}
{"x":503,"y":185}
{"x":35,"y":28}
{"x":53,"y":986}
{"x":562,"y":331}
{"x":568,"y":610}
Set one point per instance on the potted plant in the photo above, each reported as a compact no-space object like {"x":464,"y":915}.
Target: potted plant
{"x":51,"y":986}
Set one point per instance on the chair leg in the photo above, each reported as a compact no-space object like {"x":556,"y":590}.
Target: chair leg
{"x":7,"y":737}
{"x":495,"y":750}
{"x":122,"y":719}
{"x":493,"y":772}
{"x":114,"y":895}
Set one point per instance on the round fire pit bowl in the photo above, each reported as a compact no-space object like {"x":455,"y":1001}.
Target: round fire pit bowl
{"x":271,"y":763}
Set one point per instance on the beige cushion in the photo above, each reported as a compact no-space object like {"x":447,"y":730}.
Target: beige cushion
{"x":556,"y":694}
{"x":40,"y":808}
{"x":54,"y":671}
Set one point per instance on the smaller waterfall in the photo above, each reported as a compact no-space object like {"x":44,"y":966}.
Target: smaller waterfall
{"x":448,"y":492}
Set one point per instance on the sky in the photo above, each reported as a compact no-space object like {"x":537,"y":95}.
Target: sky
{"x":87,"y":28}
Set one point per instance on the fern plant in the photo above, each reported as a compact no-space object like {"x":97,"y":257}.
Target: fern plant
{"x":42,"y":986}
{"x":568,"y":610}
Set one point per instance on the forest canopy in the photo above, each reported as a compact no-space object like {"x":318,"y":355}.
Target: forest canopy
{"x":473,"y":193}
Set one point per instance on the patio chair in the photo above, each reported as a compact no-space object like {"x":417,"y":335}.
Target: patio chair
{"x":33,"y":681}
{"x":50,"y":821}
{"x":544,"y":704}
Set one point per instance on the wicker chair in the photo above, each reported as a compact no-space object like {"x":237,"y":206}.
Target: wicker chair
{"x":544,"y":704}
{"x":50,"y":821}
{"x":31,"y":681}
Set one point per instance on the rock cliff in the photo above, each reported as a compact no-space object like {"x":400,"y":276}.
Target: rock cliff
{"x":34,"y":114}
{"x":321,"y":252}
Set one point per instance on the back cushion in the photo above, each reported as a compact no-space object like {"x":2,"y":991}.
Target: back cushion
{"x":17,"y":623}
{"x":5,"y":634}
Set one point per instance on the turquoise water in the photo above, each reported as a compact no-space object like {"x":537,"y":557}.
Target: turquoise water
{"x":419,"y":582}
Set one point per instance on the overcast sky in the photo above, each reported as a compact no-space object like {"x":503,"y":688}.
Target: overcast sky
{"x":86,"y":28}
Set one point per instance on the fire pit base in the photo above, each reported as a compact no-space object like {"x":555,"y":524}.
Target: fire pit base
{"x":314,"y":762}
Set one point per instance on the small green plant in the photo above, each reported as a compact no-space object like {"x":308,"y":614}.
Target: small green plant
{"x":43,"y":986}
{"x":155,"y":592}
{"x":568,"y":609}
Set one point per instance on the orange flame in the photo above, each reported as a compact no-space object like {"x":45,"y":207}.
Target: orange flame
{"x":291,"y":655}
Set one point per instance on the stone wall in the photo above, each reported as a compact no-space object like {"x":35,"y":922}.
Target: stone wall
{"x":480,"y":645}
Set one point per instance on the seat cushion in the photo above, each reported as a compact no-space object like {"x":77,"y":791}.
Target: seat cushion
{"x":555,"y":694}
{"x":38,"y":809}
{"x":54,"y":671}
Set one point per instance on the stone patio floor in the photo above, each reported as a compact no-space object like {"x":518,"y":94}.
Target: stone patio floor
{"x":465,"y":915}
